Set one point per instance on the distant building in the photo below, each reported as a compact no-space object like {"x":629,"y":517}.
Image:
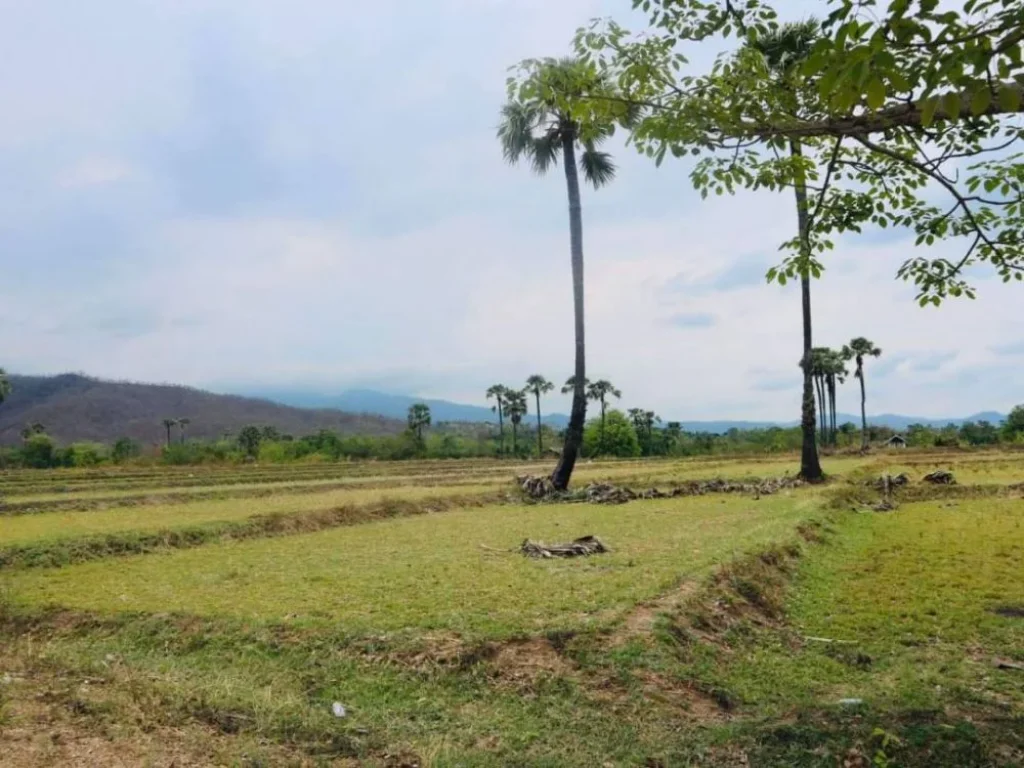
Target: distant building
{"x":896,"y":441}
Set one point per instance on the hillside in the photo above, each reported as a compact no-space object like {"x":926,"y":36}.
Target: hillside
{"x":75,"y":407}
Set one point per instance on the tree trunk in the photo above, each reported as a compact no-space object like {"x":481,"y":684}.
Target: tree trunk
{"x":540,"y":437}
{"x":501,"y":430}
{"x":863,"y":405}
{"x":574,"y":432}
{"x":515,"y":440}
{"x":819,"y":387}
{"x":832,"y":408}
{"x":168,"y":435}
{"x":810,"y":467}
{"x":600,"y":443}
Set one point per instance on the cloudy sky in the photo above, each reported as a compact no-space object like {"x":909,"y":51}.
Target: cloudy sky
{"x":309,"y":193}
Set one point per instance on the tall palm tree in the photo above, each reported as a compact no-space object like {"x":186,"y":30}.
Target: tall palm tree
{"x":168,"y":425}
{"x":600,"y":391}
{"x":537,"y":126}
{"x":182,"y":423}
{"x":857,"y":350}
{"x":498,"y":392}
{"x":538,"y":385}
{"x":783,"y":49}
{"x":515,"y":407}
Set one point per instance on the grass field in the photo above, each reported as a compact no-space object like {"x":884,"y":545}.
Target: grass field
{"x":800,"y":628}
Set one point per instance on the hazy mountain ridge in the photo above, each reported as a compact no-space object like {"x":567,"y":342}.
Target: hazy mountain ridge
{"x":76,"y":407}
{"x":396,"y":406}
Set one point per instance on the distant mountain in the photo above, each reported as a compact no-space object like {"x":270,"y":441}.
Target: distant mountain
{"x":392,"y":406}
{"x":396,"y":406}
{"x":74,"y":407}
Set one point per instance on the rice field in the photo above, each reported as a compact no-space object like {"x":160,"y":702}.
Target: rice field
{"x":215,"y":615}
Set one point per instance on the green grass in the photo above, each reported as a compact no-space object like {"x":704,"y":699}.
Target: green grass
{"x":414,"y":626}
{"x":59,"y":525}
{"x":433,"y":572}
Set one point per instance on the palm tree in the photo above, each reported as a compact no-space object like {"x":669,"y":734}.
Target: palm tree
{"x":570,"y":385}
{"x":783,"y":49}
{"x":418,"y":418}
{"x":499,"y":392}
{"x":168,"y":424}
{"x":600,"y":390}
{"x":536,"y":126}
{"x":819,"y":372}
{"x":857,"y":350}
{"x":538,"y":385}
{"x":5,"y":385}
{"x":515,"y":407}
{"x":182,"y":423}
{"x":835,"y":372}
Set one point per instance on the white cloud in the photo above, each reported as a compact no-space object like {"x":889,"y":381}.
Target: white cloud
{"x":94,"y":171}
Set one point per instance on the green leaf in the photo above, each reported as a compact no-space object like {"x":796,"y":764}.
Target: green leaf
{"x":1009,"y":99}
{"x":928,"y":107}
{"x":876,"y":93}
{"x":981,"y":100}
{"x":951,"y":105}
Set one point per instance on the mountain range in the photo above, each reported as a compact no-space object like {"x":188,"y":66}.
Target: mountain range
{"x":73,"y":407}
{"x":396,"y":406}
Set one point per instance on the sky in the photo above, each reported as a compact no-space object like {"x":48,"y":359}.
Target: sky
{"x":310,"y":194}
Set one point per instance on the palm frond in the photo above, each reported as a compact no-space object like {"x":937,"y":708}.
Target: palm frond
{"x":515,"y":131}
{"x":544,"y":151}
{"x":597,"y":167}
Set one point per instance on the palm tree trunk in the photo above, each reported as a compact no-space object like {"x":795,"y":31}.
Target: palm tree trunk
{"x":832,"y":408}
{"x":515,"y":443}
{"x":600,"y":442}
{"x":821,"y":406}
{"x":863,"y":406}
{"x":501,"y":431}
{"x":574,"y":432}
{"x":810,"y":467}
{"x":168,"y":435}
{"x":540,"y":437}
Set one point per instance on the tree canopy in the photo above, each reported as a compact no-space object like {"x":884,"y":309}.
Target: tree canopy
{"x":908,"y":112}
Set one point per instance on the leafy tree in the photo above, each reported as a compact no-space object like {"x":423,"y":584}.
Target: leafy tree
{"x":418,"y":418}
{"x":249,"y":439}
{"x":909,"y":100}
{"x":38,"y":451}
{"x":1013,"y":427}
{"x":980,"y":433}
{"x":182,"y":423}
{"x":125,"y":448}
{"x":168,"y":425}
{"x":613,"y":435}
{"x":271,"y":434}
{"x":498,"y":392}
{"x":538,"y":385}
{"x":515,"y":407}
{"x":538,"y":126}
{"x":857,"y":350}
{"x":600,"y":391}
